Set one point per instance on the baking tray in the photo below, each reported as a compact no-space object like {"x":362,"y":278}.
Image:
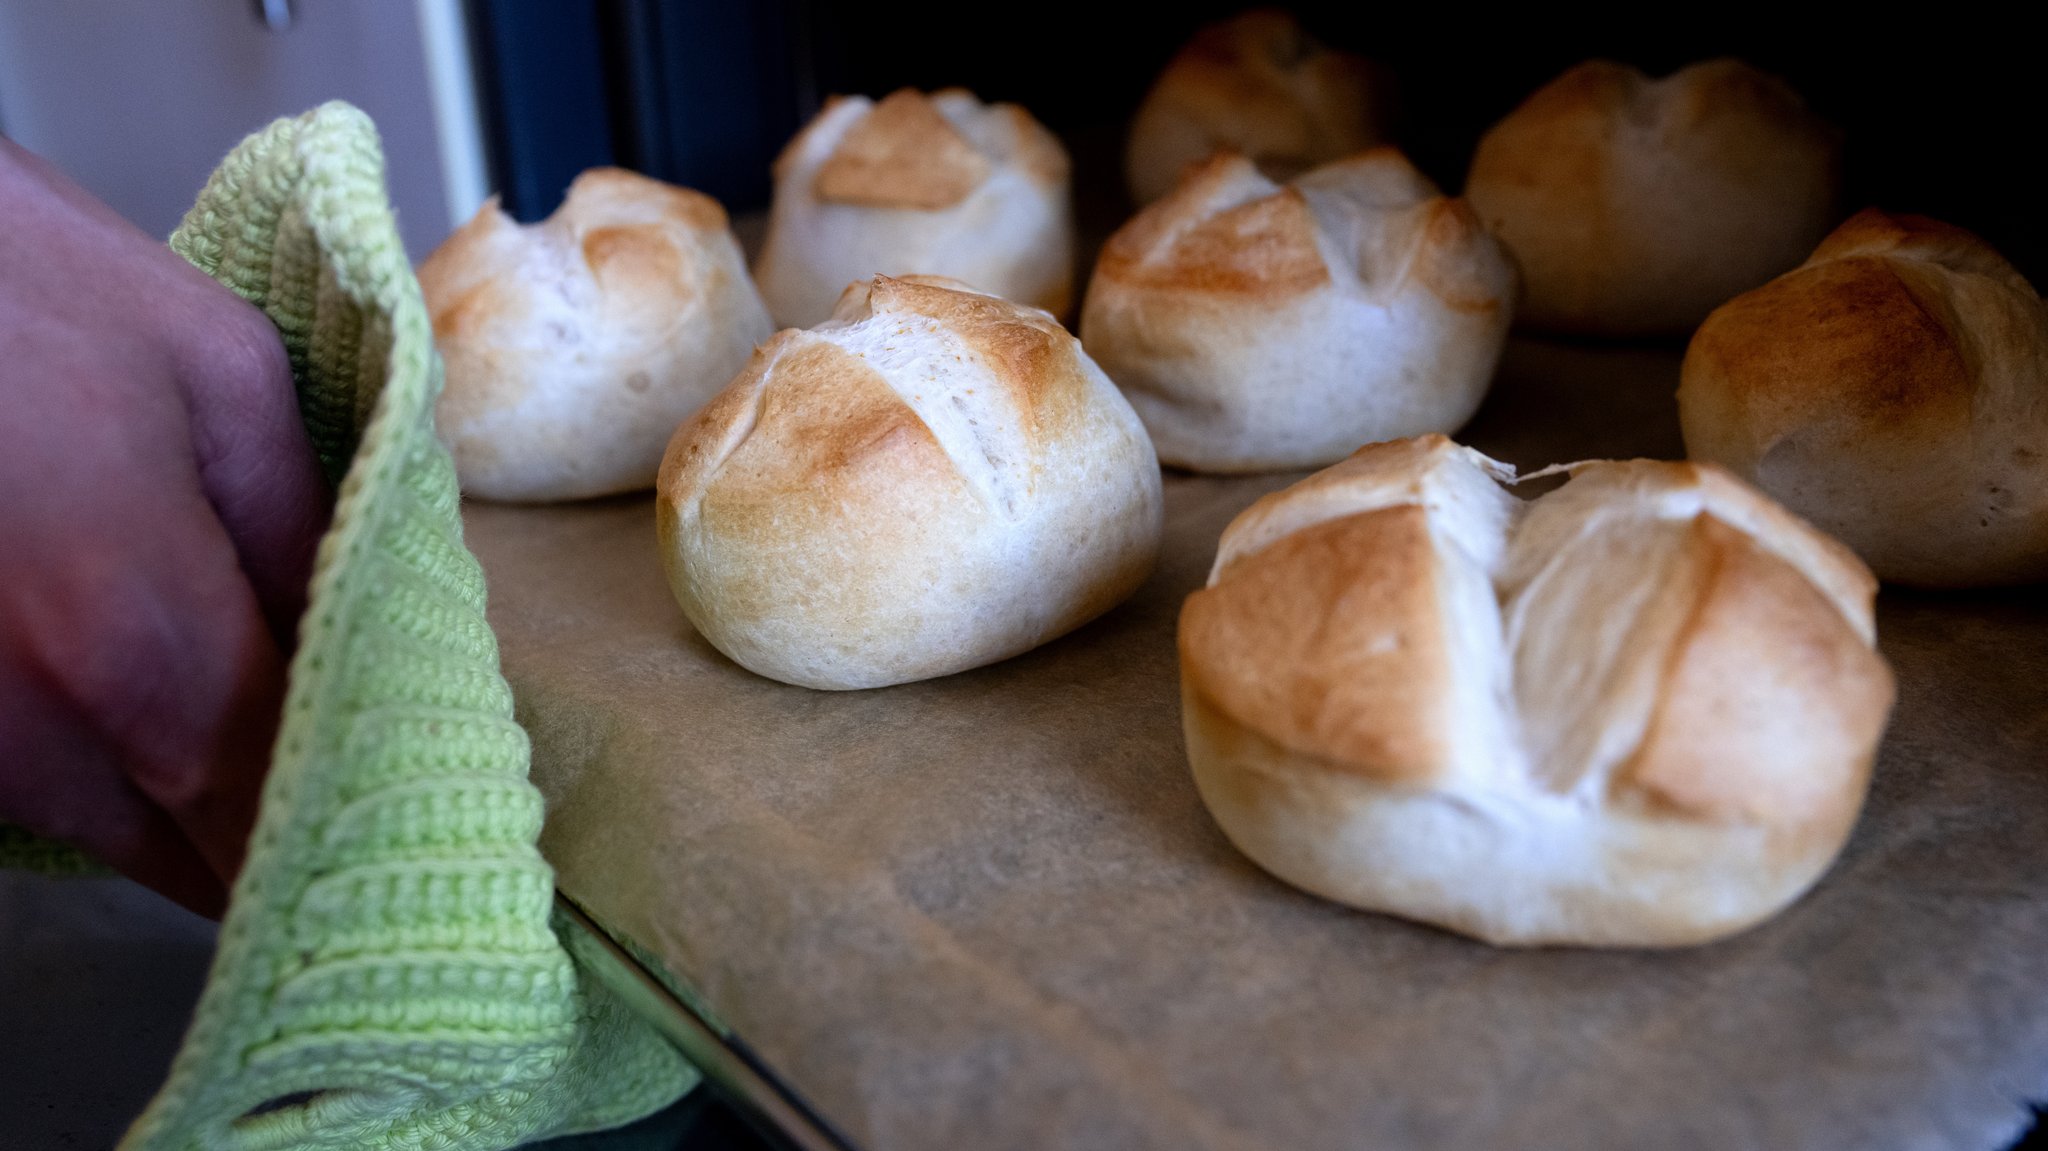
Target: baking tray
{"x":990,"y":911}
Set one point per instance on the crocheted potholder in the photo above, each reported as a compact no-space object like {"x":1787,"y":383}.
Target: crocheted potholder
{"x":387,"y":974}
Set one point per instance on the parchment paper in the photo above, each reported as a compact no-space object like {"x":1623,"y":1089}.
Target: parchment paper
{"x":989,"y":911}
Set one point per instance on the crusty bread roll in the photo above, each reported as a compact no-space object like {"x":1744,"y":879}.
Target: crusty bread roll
{"x":1893,"y":390}
{"x":940,"y":185}
{"x":1639,"y":711}
{"x":574,"y":346}
{"x":1636,"y":206}
{"x":1258,"y":85}
{"x":933,"y":480}
{"x":1257,"y":327}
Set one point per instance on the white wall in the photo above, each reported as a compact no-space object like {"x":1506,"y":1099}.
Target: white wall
{"x":139,"y":99}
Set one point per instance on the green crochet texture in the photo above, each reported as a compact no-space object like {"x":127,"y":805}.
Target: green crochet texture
{"x":388,"y":974}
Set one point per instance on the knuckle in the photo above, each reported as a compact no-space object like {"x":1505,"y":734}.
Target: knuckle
{"x":242,"y":353}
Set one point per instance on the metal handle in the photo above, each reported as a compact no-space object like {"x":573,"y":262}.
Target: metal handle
{"x":765,"y":1101}
{"x":276,"y":15}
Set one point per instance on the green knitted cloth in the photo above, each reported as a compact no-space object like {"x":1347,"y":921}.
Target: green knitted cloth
{"x":387,"y":974}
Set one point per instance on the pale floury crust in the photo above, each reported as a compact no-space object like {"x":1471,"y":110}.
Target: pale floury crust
{"x":932,"y":480}
{"x":1640,"y":710}
{"x":938,"y":184}
{"x":1893,"y":390}
{"x":1262,"y":327}
{"x":574,"y":346}
{"x":1636,"y":206}
{"x":1256,"y":84}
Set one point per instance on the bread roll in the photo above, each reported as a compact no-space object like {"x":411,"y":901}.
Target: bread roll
{"x":939,"y":185}
{"x":1893,"y":390}
{"x":933,"y":480}
{"x":1635,"y":206}
{"x":1257,"y":327}
{"x":1261,"y":86}
{"x":1639,"y":711}
{"x":574,"y":346}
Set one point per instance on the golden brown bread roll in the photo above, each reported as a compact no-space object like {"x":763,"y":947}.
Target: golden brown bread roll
{"x":574,"y":346}
{"x":1640,"y":710}
{"x":933,"y":480}
{"x":1635,"y":206}
{"x":1893,"y":390}
{"x":1260,"y":86}
{"x":1257,"y":327}
{"x":940,"y":185}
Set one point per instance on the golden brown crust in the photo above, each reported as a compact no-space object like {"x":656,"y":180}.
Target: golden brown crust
{"x":1309,"y":103}
{"x":682,"y":206}
{"x":701,"y":443}
{"x":455,"y":278}
{"x":1399,"y":465}
{"x":1266,"y":327}
{"x":1329,"y":642}
{"x":1771,"y":707}
{"x":619,"y":223}
{"x":447,"y":267}
{"x":1636,"y":205}
{"x":784,"y":486}
{"x":903,"y":154}
{"x":1030,"y":354}
{"x":869,"y":425}
{"x":1890,"y":389}
{"x":932,"y":480}
{"x":1637,"y":711}
{"x":573,"y":346}
{"x":637,"y":254}
{"x":1560,"y":138}
{"x":1264,"y":248}
{"x":1443,"y":262}
{"x":1872,"y":232}
{"x":1830,"y":564}
{"x":1876,"y":351}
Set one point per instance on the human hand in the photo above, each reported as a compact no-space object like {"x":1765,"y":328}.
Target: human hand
{"x":160,"y":505}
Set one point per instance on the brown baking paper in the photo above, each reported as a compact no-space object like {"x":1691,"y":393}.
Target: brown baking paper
{"x":989,"y":911}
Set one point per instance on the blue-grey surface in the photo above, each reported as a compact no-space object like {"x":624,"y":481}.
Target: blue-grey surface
{"x":97,"y":981}
{"x":98,"y":978}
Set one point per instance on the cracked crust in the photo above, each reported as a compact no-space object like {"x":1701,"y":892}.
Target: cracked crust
{"x":1700,"y":658}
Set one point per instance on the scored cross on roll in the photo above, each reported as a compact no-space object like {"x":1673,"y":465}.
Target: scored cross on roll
{"x":1639,"y":710}
{"x":574,"y":345}
{"x":1636,"y":206}
{"x":932,"y":480}
{"x":940,"y":185}
{"x":1260,"y":85}
{"x":1259,"y":326}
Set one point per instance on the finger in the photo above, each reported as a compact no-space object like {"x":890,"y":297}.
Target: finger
{"x":219,"y":691}
{"x":58,"y":780}
{"x":170,"y":660}
{"x":255,"y":462}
